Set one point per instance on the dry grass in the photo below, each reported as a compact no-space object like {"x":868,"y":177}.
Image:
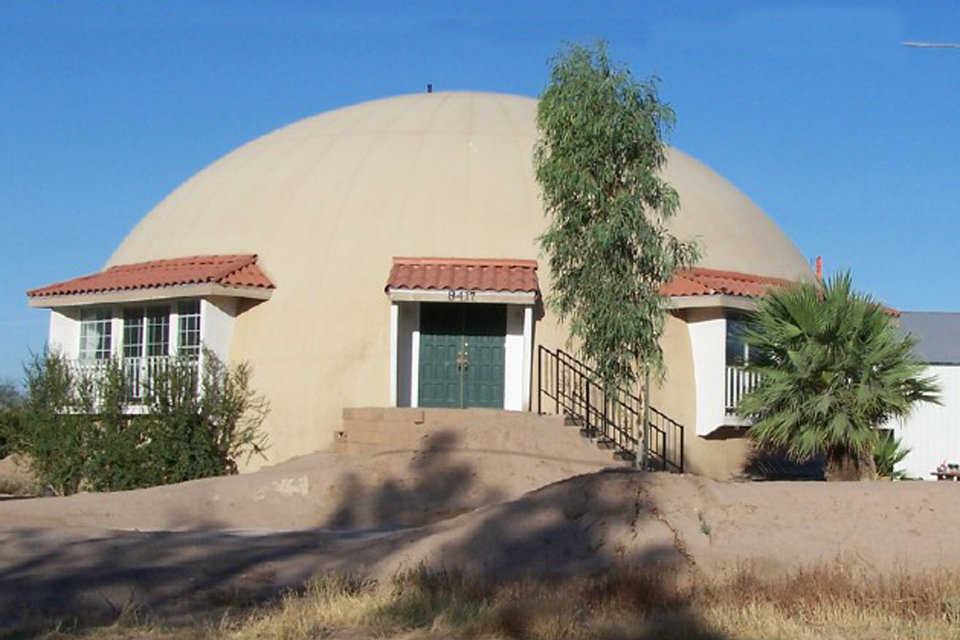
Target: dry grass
{"x":817,"y":604}
{"x":20,"y":487}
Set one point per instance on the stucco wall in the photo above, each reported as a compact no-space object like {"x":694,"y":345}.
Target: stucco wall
{"x":708,"y":333}
{"x":684,"y":396}
{"x":216,"y":326}
{"x":65,"y":332}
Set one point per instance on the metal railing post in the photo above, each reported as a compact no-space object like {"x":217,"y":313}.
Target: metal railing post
{"x":681,"y":450}
{"x":540,"y":380}
{"x":556,"y":378}
{"x":588,"y":404}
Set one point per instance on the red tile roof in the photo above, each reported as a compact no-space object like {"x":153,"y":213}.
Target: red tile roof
{"x":464,"y":273}
{"x":711,"y":282}
{"x":228,"y":270}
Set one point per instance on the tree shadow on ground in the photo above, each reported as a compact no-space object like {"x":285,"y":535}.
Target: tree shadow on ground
{"x":437,"y":487}
{"x":558,"y":537}
{"x":775,"y":464}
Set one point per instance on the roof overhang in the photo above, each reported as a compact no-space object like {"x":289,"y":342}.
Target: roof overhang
{"x":742,"y":303}
{"x":484,"y":280}
{"x":461,"y":295}
{"x":201,"y":290}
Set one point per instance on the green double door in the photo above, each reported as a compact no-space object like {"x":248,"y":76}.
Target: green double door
{"x":462,"y":354}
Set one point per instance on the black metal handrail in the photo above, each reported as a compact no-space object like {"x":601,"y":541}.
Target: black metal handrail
{"x":614,"y":419}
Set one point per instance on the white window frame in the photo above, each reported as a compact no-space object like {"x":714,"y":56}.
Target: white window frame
{"x":102,"y":316}
{"x":114,"y":318}
{"x":195,"y":350}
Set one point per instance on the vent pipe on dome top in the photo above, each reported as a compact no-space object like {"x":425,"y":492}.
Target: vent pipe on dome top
{"x":819,"y":267}
{"x":430,"y":87}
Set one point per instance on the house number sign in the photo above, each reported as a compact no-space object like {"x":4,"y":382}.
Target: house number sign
{"x":461,"y":295}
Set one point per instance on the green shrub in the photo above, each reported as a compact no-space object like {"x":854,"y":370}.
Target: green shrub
{"x":11,"y":400}
{"x":85,"y":431}
{"x":888,"y":452}
{"x":52,"y":425}
{"x":9,"y":427}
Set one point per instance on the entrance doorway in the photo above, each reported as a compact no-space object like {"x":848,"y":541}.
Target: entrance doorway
{"x":462,"y":354}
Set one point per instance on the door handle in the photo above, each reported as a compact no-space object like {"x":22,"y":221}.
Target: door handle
{"x":463,"y":361}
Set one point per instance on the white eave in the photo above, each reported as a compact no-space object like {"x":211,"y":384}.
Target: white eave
{"x":201,"y":290}
{"x":461,"y":295}
{"x":712,"y":301}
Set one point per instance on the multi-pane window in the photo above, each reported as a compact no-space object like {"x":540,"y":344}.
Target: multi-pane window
{"x":148,"y":331}
{"x":95,"y":334}
{"x":132,"y":333}
{"x":188,"y":338}
{"x":738,"y":351}
{"x":149,"y":334}
{"x":158,"y":331}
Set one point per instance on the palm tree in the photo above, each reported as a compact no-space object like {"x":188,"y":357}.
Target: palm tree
{"x":833,"y":368}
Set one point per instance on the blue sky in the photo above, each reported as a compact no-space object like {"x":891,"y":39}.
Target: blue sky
{"x":848,"y":139}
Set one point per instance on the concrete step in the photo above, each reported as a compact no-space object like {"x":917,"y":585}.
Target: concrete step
{"x":589,"y":432}
{"x":371,"y":431}
{"x":604,"y":442}
{"x":403,"y":427}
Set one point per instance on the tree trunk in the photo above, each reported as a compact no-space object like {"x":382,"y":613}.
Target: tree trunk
{"x":640,"y":456}
{"x":842,"y":465}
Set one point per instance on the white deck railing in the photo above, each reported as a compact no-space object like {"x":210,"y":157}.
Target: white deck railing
{"x":738,"y":382}
{"x":139,"y":373}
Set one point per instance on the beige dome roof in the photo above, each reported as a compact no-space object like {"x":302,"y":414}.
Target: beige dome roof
{"x":373,"y":173}
{"x":328,"y":201}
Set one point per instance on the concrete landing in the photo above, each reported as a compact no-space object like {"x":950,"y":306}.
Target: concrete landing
{"x":375,"y":427}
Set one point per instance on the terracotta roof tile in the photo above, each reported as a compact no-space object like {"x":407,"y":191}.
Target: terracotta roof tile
{"x":229,"y":270}
{"x":464,"y":273}
{"x":712,"y":282}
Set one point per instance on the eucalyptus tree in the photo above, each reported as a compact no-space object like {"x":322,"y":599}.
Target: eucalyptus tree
{"x":833,"y":368}
{"x":598,"y":159}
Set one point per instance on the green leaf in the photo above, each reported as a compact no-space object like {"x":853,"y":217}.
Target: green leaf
{"x":598,"y":159}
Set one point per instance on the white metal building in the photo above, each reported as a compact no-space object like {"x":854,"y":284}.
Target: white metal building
{"x":931,"y":431}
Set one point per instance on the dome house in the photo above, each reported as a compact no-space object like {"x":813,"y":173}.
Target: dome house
{"x":385,"y":255}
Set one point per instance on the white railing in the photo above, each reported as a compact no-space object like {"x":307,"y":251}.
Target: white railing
{"x":139,"y":374}
{"x":738,"y":382}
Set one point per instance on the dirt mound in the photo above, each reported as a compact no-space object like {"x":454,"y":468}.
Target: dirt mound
{"x":684,"y":524}
{"x":436,"y":473}
{"x":583,"y":524}
{"x":618,"y":516}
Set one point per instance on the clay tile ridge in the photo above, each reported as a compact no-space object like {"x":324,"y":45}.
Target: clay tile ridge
{"x":231,"y":270}
{"x":480,"y":274}
{"x":709,"y":282}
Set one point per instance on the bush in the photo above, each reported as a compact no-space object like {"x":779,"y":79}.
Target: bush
{"x":888,"y":452}
{"x":10,"y":402}
{"x":9,"y":427}
{"x":85,"y":431}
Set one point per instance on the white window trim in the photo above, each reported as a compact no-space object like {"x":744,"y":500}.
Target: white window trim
{"x":117,"y":312}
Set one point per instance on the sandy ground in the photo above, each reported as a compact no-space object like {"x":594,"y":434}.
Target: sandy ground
{"x":447,"y":472}
{"x":448,"y":503}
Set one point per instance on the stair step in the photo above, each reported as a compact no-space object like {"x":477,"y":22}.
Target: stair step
{"x":621,"y":454}
{"x":589,"y":432}
{"x":606,"y":443}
